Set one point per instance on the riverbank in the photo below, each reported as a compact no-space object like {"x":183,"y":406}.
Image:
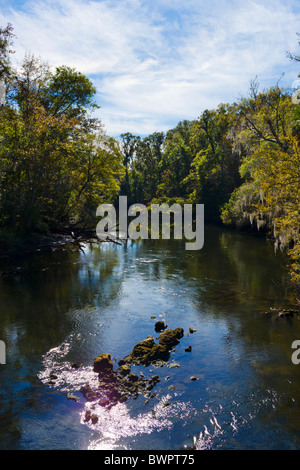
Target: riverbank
{"x":12,"y":246}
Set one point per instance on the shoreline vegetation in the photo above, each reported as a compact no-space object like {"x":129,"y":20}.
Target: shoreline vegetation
{"x":57,"y":164}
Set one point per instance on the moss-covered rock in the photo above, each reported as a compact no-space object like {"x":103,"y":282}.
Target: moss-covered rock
{"x":103,"y":363}
{"x":88,"y":393}
{"x":147,"y":351}
{"x":124,"y":370}
{"x":117,"y":386}
{"x":140,"y":352}
{"x":170,"y":338}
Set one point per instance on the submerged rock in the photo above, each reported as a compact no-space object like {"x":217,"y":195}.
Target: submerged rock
{"x":286,"y":313}
{"x":282,"y":312}
{"x":70,"y":396}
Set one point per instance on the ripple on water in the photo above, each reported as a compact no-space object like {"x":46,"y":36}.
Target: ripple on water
{"x":219,"y":417}
{"x":115,"y":423}
{"x":118,"y":423}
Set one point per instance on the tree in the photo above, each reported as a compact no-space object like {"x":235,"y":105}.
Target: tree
{"x":56,"y":162}
{"x":69,"y":93}
{"x":6,"y":43}
{"x":129,"y":144}
{"x":214,"y":170}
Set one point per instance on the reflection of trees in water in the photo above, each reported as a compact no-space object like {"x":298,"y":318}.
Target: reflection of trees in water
{"x":35,"y":307}
{"x":36,"y":302}
{"x":259,"y":269}
{"x":234,"y":268}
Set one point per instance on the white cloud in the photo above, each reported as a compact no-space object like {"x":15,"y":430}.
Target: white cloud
{"x":155,"y":63}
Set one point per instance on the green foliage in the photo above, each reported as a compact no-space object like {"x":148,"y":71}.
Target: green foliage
{"x":6,"y":42}
{"x":56,"y":163}
{"x":68,"y":92}
{"x":241,"y":161}
{"x":195,"y":162}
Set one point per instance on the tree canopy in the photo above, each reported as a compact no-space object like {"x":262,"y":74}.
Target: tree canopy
{"x":56,"y":162}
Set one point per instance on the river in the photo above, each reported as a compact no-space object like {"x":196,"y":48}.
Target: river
{"x":66,"y":307}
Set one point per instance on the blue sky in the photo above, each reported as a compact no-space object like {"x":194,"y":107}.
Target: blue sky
{"x":155,"y":63}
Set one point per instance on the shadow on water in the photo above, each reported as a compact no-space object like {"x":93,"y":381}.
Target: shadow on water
{"x":63,"y":308}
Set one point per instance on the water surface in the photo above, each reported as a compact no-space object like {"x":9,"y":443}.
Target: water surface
{"x":67,"y":307}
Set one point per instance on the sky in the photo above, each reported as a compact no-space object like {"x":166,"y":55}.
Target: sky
{"x":157,"y":62}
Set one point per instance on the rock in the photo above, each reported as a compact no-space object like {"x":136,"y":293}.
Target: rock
{"x":109,"y":377}
{"x":87,"y":416}
{"x":282,"y":312}
{"x":193,"y":378}
{"x":104,"y":402}
{"x":70,"y":396}
{"x":166,"y":403}
{"x":117,"y":386}
{"x":124,"y":370}
{"x":155,"y":379}
{"x":188,"y":349}
{"x":103,"y":363}
{"x":146,"y":352}
{"x":192,"y":330}
{"x":88,"y":393}
{"x":286,"y":313}
{"x":133,"y":378}
{"x":170,"y":338}
{"x":158,"y":353}
{"x":139,"y":352}
{"x":160,"y":326}
{"x":173,"y":365}
{"x":94,"y":419}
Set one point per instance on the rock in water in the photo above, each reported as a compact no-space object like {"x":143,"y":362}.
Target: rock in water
{"x":117,"y":386}
{"x":103,"y":363}
{"x":160,"y":326}
{"x":287,"y":313}
{"x":170,"y":338}
{"x":147,"y":351}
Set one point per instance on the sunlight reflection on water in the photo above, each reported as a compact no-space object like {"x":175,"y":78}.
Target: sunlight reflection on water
{"x":117,"y":422}
{"x":114,"y":423}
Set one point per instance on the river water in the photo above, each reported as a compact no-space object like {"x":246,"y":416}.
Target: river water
{"x":67,"y":307}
